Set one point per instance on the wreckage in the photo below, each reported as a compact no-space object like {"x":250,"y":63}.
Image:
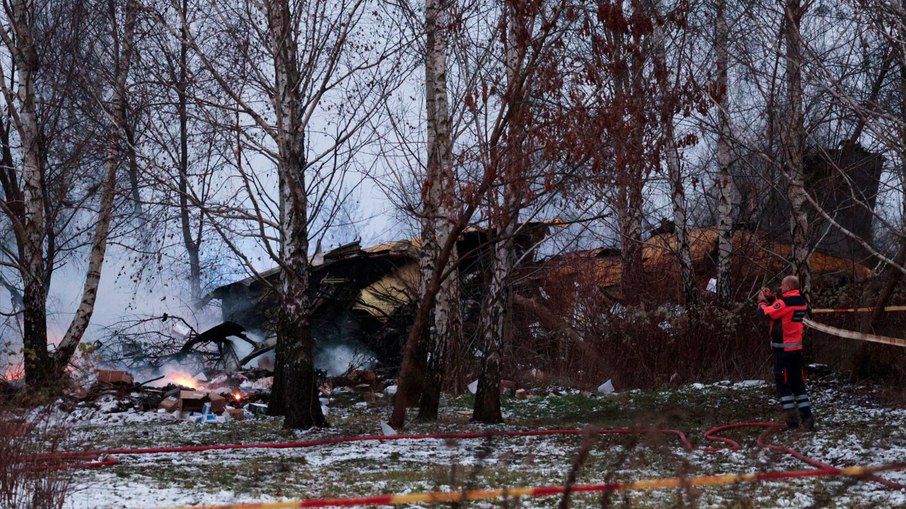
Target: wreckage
{"x":363,"y":297}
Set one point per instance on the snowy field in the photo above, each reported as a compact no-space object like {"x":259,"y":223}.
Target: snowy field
{"x":853,"y":430}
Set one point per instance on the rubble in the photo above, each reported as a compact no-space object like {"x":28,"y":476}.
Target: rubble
{"x":114,"y":377}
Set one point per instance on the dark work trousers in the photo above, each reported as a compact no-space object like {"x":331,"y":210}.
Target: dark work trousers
{"x":790,"y":378}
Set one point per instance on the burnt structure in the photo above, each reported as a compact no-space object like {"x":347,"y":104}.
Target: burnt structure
{"x":364,"y":296}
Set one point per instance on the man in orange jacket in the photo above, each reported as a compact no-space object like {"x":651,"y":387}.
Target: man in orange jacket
{"x":786,"y":313}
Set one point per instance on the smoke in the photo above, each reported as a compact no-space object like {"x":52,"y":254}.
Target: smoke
{"x":338,"y":356}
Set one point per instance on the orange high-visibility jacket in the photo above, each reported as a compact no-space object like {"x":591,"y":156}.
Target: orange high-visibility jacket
{"x":786,"y":314}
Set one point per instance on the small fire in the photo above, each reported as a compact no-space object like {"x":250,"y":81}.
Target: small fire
{"x":13,"y":373}
{"x":237,"y":396}
{"x":182,"y":378}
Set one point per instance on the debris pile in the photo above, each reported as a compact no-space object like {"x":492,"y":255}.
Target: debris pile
{"x":210,"y":396}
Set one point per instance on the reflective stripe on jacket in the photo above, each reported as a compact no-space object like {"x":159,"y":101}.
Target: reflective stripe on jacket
{"x":786,"y":314}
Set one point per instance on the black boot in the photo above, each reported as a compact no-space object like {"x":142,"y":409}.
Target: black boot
{"x":792,"y":419}
{"x":808,"y":419}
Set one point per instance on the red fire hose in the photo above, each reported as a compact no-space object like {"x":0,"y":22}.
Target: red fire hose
{"x":712,"y":434}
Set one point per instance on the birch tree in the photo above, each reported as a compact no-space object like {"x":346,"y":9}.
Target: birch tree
{"x":122,"y":34}
{"x":438,"y":212}
{"x":721,"y":98}
{"x":305,"y":78}
{"x":671,"y":98}
{"x":27,"y":207}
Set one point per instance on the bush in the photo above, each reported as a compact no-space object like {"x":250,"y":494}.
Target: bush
{"x":24,"y":434}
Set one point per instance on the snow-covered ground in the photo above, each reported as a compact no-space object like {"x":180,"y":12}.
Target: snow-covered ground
{"x":853,"y":430}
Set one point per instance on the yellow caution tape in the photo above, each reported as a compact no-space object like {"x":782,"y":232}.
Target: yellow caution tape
{"x":858,"y":310}
{"x":861,"y":336}
{"x":459,"y":496}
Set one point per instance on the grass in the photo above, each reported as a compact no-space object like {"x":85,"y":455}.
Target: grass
{"x":371,"y":468}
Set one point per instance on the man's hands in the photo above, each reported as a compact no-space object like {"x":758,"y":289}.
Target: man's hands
{"x":766,"y":295}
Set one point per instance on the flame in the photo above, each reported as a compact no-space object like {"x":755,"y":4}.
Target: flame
{"x":237,"y":396}
{"x":13,"y":373}
{"x":182,"y":378}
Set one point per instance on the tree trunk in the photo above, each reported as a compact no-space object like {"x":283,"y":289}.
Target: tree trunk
{"x":895,"y":275}
{"x":192,"y":247}
{"x":794,"y":144}
{"x":132,"y":156}
{"x":438,"y":212}
{"x":630,"y":172}
{"x":504,"y":218}
{"x":674,"y":169}
{"x":492,"y":326}
{"x":629,"y":211}
{"x":122,"y":51}
{"x":294,"y":340}
{"x":724,"y":180}
{"x":423,"y":317}
{"x":38,"y":372}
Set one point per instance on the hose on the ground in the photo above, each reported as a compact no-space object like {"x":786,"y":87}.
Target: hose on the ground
{"x":106,"y":457}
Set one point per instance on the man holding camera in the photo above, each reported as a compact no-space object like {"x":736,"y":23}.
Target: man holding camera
{"x":787,"y":313}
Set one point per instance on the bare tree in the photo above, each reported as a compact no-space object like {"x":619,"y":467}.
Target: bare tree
{"x":794,"y":137}
{"x":671,"y":98}
{"x":32,"y":208}
{"x":721,"y":97}
{"x":438,"y":211}
{"x":307,"y":80}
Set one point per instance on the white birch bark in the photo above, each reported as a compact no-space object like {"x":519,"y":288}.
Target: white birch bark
{"x":505,"y":215}
{"x":672,"y":156}
{"x":294,"y":340}
{"x":724,"y":182}
{"x":123,"y":45}
{"x":438,"y":212}
{"x":31,"y":239}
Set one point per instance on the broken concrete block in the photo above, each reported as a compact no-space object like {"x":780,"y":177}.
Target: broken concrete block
{"x":114,"y":377}
{"x":237,"y":414}
{"x":521,"y":394}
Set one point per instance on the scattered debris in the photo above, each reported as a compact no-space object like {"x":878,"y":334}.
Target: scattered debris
{"x":257,"y":408}
{"x":606,"y":387}
{"x":114,"y":377}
